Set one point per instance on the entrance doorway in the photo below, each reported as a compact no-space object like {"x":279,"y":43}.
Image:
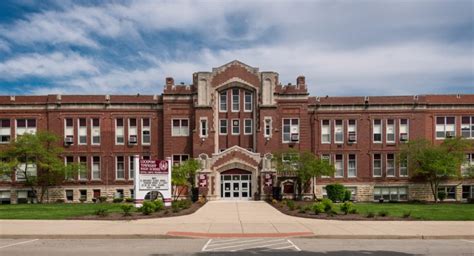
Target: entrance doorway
{"x":235,"y":185}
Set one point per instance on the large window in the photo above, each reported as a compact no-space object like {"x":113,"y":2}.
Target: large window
{"x":403,"y":130}
{"x":248,"y":102}
{"x":352,"y":166}
{"x":445,"y":127}
{"x":69,"y":131}
{"x":404,"y":168}
{"x":82,"y":131}
{"x":119,"y":168}
{"x":95,"y":131}
{"x":235,"y":100}
{"x":467,"y":127}
{"x":131,"y":167}
{"x":390,"y":165}
{"x":180,"y":127}
{"x":291,"y":129}
{"x":235,"y":127}
{"x":339,"y":166}
{"x":132,"y":131}
{"x":83,"y":167}
{"x":223,"y":101}
{"x":248,"y":126}
{"x":203,"y":128}
{"x":352,"y":131}
{"x":377,"y":165}
{"x":449,"y":190}
{"x":25,"y":126}
{"x":327,"y":158}
{"x":467,"y":191}
{"x":391,"y":193}
{"x":325,"y":132}
{"x":223,"y":126}
{"x":178,"y":159}
{"x":468,"y":163}
{"x":5,"y":131}
{"x":69,"y":175}
{"x":377,"y":131}
{"x":96,"y":167}
{"x":146,"y":131}
{"x":390,"y":131}
{"x":338,"y":131}
{"x":119,"y":132}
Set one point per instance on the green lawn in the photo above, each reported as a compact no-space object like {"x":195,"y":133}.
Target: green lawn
{"x":421,"y":211}
{"x":52,"y":211}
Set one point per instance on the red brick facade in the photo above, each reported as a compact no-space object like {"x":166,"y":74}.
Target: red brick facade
{"x":186,"y":121}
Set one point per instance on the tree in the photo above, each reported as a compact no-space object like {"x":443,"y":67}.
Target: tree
{"x":35,"y":158}
{"x":434,"y":163}
{"x":183,"y":175}
{"x":304,"y":166}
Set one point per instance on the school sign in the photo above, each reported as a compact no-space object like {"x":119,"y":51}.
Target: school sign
{"x":152,"y":175}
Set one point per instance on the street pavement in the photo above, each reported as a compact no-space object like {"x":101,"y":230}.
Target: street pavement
{"x":235,"y":246}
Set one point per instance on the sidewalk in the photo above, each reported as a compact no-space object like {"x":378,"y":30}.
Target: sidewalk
{"x":237,"y":219}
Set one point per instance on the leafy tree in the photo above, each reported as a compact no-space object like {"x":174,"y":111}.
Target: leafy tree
{"x":303,"y":166}
{"x":30,"y":152}
{"x":183,"y":175}
{"x":434,"y":163}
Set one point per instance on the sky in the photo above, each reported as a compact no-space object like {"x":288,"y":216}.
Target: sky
{"x":343,"y":48}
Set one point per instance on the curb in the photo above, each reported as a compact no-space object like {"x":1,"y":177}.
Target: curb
{"x":238,"y":235}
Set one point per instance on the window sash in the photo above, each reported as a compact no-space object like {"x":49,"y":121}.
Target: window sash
{"x":235,"y":100}
{"x":248,"y":126}
{"x":223,"y":101}
{"x":248,"y":97}
{"x":119,"y":168}
{"x":223,"y":126}
{"x":235,"y":126}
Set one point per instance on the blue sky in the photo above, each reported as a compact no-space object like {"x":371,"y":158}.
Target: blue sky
{"x":342,"y":47}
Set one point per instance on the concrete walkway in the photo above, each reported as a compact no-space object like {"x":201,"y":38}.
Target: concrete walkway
{"x":236,"y":219}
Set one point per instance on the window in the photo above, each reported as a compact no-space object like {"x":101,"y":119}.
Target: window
{"x":403,"y":130}
{"x":132,"y":131}
{"x":5,"y":197}
{"x":95,"y":131}
{"x":339,"y":166}
{"x":119,"y":168}
{"x":352,"y":166}
{"x":119,"y":132}
{"x":69,"y":131}
{"x":248,"y":102}
{"x":352,"y":131}
{"x":235,"y":127}
{"x":180,"y":127}
{"x":390,"y":165}
{"x":449,"y":190}
{"x":69,"y":160}
{"x":96,"y":193}
{"x":468,"y":163}
{"x":326,"y":157}
{"x":467,"y":127}
{"x":338,"y":131}
{"x":291,"y":130}
{"x":235,"y":100}
{"x":146,"y":131}
{"x":267,"y":132}
{"x":5,"y":131}
{"x":119,"y":193}
{"x":445,"y":127}
{"x":25,"y":168}
{"x":391,"y":193}
{"x":325,"y":132}
{"x":404,"y":168}
{"x":96,"y":167}
{"x":83,"y":168}
{"x":377,"y":165}
{"x":203,"y":127}
{"x":83,"y":194}
{"x":223,"y":101}
{"x":70,"y":195}
{"x":132,"y":193}
{"x":467,"y":191}
{"x":25,"y":126}
{"x":248,"y":126}
{"x":131,"y":167}
{"x":178,"y":159}
{"x":223,"y":126}
{"x":377,"y":131}
{"x":390,"y":131}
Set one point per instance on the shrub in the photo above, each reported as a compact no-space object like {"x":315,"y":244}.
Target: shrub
{"x":291,"y":205}
{"x":406,"y":215}
{"x":127,"y":208}
{"x":102,"y":212}
{"x":185,"y":204}
{"x":382,"y":213}
{"x":159,"y":205}
{"x":129,"y":200}
{"x":117,"y":200}
{"x":327,"y":205}
{"x":441,"y":195}
{"x":60,"y":201}
{"x":335,"y":192}
{"x":82,"y":200}
{"x":148,"y":208}
{"x":346,"y":207}
{"x":102,"y":199}
{"x":175,"y":207}
{"x":353,"y":211}
{"x":274,"y":201}
{"x":317,"y":208}
{"x":347,"y":195}
{"x":370,"y":215}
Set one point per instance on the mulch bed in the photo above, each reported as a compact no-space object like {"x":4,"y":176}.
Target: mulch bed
{"x":323,"y":216}
{"x":167,"y":212}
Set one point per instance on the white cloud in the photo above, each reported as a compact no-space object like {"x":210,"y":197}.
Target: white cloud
{"x":50,"y":65}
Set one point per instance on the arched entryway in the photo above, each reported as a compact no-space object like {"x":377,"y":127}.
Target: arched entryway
{"x":236,"y":184}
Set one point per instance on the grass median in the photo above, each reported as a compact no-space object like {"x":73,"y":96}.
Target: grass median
{"x":53,"y":211}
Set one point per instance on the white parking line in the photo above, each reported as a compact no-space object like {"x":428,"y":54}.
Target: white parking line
{"x":24,"y":242}
{"x":260,"y":246}
{"x":296,"y":247}
{"x":469,"y":241}
{"x":205,"y":246}
{"x":239,"y":245}
{"x":233,"y":242}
